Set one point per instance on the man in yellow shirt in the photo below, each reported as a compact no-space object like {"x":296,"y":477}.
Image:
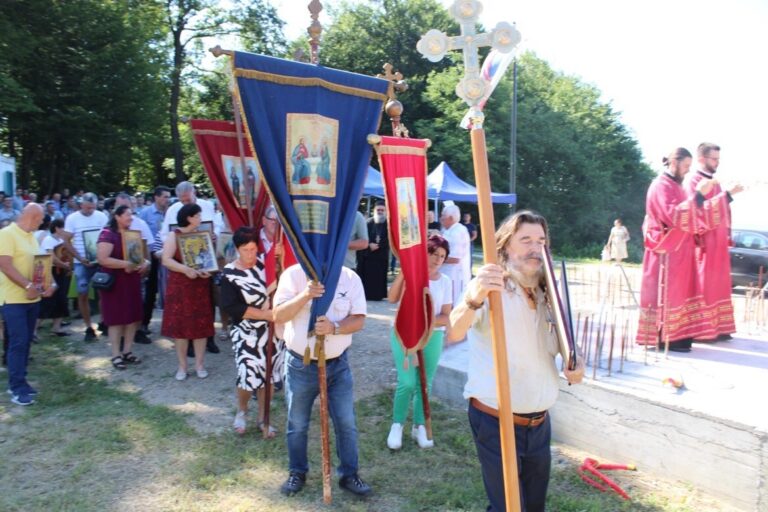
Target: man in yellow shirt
{"x":18,"y":247}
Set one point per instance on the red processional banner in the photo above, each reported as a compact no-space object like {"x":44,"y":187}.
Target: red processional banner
{"x":404,"y":175}
{"x":219,"y":151}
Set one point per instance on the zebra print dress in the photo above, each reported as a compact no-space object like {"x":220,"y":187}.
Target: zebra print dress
{"x":240,"y":289}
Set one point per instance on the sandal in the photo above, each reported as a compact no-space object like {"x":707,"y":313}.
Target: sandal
{"x":271,"y":433}
{"x":129,"y":358}
{"x":239,"y":424}
{"x":118,"y":363}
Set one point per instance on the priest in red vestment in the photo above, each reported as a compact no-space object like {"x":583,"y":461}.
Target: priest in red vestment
{"x":712,"y":258}
{"x":671,"y":301}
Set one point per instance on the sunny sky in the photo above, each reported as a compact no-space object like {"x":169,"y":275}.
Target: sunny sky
{"x":679,"y":71}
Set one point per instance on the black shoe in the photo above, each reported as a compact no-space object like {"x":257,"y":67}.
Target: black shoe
{"x":103,"y":328}
{"x":294,"y":484}
{"x":678,"y":348}
{"x":90,"y":334}
{"x":211,"y":346}
{"x":141,"y":338}
{"x":355,"y":485}
{"x":724,"y":337}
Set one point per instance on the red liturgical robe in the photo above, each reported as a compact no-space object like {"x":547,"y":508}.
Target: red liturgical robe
{"x":714,"y":266}
{"x":670,"y":296}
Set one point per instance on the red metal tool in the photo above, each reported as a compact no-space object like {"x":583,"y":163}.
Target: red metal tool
{"x":592,"y":466}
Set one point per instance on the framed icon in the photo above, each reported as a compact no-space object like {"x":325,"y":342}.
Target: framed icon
{"x":90,"y":241}
{"x":197,"y":251}
{"x":133,"y":249}
{"x":42,"y":271}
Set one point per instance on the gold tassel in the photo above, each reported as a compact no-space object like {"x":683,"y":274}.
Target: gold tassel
{"x":307,"y":356}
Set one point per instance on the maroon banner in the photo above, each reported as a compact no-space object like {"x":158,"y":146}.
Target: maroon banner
{"x":404,"y":175}
{"x":217,"y":146}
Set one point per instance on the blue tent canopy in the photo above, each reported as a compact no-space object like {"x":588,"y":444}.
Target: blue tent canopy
{"x":373,"y":185}
{"x":442,"y":185}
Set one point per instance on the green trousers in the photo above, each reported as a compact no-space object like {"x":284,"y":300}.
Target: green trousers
{"x":408,"y":387}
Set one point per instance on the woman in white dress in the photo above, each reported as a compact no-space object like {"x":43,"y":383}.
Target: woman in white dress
{"x":617,"y":242}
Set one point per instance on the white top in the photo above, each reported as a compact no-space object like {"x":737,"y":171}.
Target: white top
{"x":49,"y":243}
{"x":459,"y":273}
{"x":442,"y":293}
{"x":531,"y":351}
{"x":208,"y":214}
{"x":349,"y":299}
{"x":76,"y":223}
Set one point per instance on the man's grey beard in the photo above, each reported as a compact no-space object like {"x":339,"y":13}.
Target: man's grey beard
{"x":511,"y":273}
{"x":379,"y":218}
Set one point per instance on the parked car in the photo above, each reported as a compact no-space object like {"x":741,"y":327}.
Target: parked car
{"x":748,"y":255}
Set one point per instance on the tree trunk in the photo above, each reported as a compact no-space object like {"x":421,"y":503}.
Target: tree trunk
{"x":178,"y":64}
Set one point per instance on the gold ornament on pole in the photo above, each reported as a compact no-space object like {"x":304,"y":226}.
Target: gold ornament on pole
{"x":394,"y":108}
{"x":433,"y":46}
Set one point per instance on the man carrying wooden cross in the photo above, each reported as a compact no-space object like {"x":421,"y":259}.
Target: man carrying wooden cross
{"x":532,"y":346}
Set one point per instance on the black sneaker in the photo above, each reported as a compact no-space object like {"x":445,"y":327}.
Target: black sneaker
{"x":211,"y":346}
{"x":294,"y":484}
{"x":355,"y":485}
{"x":90,"y":334}
{"x":141,"y":338}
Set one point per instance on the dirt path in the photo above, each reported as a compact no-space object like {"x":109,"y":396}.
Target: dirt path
{"x":210,"y":403}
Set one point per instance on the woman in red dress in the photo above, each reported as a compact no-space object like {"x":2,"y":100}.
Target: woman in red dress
{"x":121,"y":308}
{"x":188,"y":313}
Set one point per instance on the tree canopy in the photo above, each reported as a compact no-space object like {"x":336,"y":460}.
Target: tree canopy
{"x":92,"y":95}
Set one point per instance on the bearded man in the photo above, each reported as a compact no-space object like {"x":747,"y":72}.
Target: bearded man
{"x":532,"y":348}
{"x":373,"y":261}
{"x":713,"y":259}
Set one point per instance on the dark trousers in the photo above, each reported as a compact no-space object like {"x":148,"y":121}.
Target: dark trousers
{"x":533,"y":460}
{"x":150,"y":295}
{"x":20,"y":320}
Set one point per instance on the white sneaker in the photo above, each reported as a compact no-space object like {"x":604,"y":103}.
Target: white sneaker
{"x":181,"y":375}
{"x":201,"y":373}
{"x":419,"y":434}
{"x":239,"y":423}
{"x":395,"y":438}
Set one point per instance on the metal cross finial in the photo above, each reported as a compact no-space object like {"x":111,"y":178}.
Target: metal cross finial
{"x":314,"y":30}
{"x":435,"y":44}
{"x":394,"y":108}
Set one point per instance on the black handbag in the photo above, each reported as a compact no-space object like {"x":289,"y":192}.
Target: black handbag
{"x":102,"y":280}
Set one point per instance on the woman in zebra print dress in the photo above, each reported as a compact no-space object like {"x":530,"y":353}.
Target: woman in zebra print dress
{"x":244,"y":297}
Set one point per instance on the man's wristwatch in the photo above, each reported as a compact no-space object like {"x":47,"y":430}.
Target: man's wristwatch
{"x":336,"y":328}
{"x":474,"y":306}
{"x":29,"y":285}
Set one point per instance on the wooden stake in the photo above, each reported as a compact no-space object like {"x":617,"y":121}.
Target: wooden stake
{"x":324,"y":435}
{"x":424,"y":394}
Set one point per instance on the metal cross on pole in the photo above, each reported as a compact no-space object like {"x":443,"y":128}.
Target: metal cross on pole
{"x":434,"y":45}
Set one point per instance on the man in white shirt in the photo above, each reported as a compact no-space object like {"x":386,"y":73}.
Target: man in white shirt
{"x":358,"y":241}
{"x":346,"y":315}
{"x":185,"y":192}
{"x":532,"y":348}
{"x":85,"y":219}
{"x":457,"y":266}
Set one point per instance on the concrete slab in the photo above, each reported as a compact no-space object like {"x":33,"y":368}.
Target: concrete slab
{"x":712,"y":433}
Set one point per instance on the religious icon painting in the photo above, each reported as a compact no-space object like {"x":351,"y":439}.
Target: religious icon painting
{"x":206,"y":226}
{"x":225,"y":248}
{"x":42,"y":271}
{"x":242,"y":183}
{"x":311,"y":156}
{"x":409,"y":224}
{"x":133,"y":250}
{"x":197,"y":251}
{"x":313,"y":216}
{"x":90,"y":240}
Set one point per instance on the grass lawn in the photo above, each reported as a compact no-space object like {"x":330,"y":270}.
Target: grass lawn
{"x":85,"y":446}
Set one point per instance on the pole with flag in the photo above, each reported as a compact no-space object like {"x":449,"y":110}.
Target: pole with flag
{"x":472,"y":89}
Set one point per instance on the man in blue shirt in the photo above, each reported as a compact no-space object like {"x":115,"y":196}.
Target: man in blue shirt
{"x":153,"y":215}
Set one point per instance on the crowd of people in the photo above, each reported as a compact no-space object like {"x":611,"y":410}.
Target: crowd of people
{"x":273,"y":346}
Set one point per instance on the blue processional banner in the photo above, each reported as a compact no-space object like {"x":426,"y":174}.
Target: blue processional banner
{"x":308,"y":126}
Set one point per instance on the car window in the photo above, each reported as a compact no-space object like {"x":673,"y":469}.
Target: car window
{"x":752,"y":241}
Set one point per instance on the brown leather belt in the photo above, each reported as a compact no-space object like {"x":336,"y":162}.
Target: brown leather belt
{"x":519,"y":420}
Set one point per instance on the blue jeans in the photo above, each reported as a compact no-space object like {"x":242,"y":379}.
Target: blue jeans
{"x":20,"y":320}
{"x":533,"y":460}
{"x":301,"y":389}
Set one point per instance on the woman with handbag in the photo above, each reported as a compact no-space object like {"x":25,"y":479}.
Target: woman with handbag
{"x":187,"y":312}
{"x":121,"y":307}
